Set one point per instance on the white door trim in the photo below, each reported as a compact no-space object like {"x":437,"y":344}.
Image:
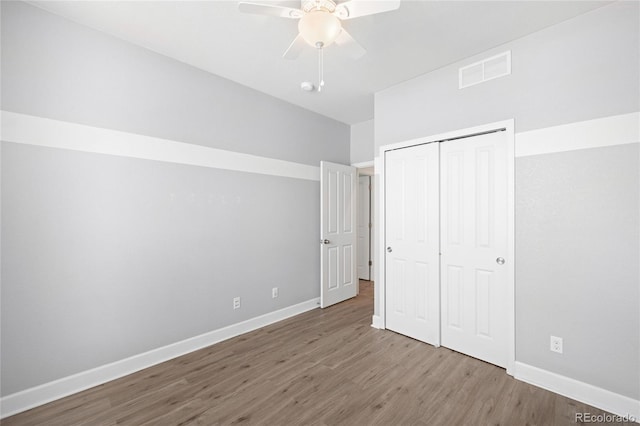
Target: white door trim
{"x":508,"y":125}
{"x":363,"y":164}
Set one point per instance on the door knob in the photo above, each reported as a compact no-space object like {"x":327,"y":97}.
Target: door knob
{"x":500,"y":261}
{"x":389,"y":249}
{"x":325,"y":242}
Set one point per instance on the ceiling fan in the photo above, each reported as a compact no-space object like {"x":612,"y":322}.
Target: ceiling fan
{"x":320,"y":23}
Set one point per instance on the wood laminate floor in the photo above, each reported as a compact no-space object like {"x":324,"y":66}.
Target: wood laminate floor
{"x":324,"y":367}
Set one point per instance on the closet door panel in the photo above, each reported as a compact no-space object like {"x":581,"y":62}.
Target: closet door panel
{"x":412,"y":241}
{"x":473,"y":214}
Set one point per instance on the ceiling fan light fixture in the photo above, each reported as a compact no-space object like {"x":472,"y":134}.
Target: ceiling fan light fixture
{"x":319,"y":28}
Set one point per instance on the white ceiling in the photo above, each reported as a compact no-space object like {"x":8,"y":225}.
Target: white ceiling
{"x":417,"y":38}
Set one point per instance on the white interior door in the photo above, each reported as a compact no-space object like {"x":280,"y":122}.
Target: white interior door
{"x":364,"y":227}
{"x":474,"y":244}
{"x":337,"y":233}
{"x":412,"y":240}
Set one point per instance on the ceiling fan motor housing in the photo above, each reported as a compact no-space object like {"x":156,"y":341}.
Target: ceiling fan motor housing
{"x":328,"y":5}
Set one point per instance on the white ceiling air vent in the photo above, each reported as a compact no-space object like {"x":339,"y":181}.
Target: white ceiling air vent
{"x":485,"y":70}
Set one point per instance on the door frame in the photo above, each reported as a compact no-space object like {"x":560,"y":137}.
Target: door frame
{"x":359,"y":206}
{"x":372,"y":204}
{"x":372,"y":213}
{"x":508,"y":125}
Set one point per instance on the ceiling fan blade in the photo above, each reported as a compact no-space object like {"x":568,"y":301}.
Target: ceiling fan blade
{"x":294,"y":48}
{"x":270,"y":9}
{"x":356,"y":8}
{"x":349,"y":46}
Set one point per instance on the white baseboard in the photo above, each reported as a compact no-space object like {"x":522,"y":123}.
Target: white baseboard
{"x":42,"y":394}
{"x":600,"y":398}
{"x":376,"y":322}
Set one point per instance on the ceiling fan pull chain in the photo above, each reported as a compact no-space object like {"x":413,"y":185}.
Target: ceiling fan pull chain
{"x":320,"y":68}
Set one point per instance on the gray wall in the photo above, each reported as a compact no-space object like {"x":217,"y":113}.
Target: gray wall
{"x":54,"y":68}
{"x":362,"y":135}
{"x":577,"y":213}
{"x":105,"y":257}
{"x":577,"y":244}
{"x":578,"y":70}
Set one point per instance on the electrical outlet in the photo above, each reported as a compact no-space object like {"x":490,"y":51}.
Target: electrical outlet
{"x":274,"y":292}
{"x":556,"y":344}
{"x":236,"y":303}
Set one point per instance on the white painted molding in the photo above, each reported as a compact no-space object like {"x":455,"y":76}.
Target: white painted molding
{"x":39,"y":395}
{"x":362,"y":164}
{"x":600,"y":132}
{"x":377,"y":164}
{"x":600,"y":398}
{"x":32,"y":130}
{"x":376,"y":322}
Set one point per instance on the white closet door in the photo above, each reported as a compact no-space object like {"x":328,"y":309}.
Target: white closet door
{"x":412,"y":238}
{"x":474,"y":232}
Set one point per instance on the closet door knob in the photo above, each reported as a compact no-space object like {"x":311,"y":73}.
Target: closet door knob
{"x":389,"y":249}
{"x":500,"y":261}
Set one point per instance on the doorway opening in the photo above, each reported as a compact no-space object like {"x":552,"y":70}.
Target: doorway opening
{"x":366,"y":227}
{"x":365,"y":223}
{"x":346,"y":214}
